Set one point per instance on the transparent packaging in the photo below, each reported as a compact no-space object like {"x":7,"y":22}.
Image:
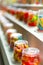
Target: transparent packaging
{"x":33,"y":19}
{"x":32,"y":1}
{"x":25,"y":16}
{"x":31,"y":56}
{"x":41,"y":1}
{"x":18,"y":47}
{"x":38,"y":1}
{"x":40,"y":25}
{"x":13,"y":38}
{"x":19,"y":14}
{"x":9,"y":32}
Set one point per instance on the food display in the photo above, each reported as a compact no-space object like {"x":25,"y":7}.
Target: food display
{"x":22,"y":15}
{"x":14,"y":37}
{"x":33,"y":19}
{"x":37,"y":1}
{"x":24,"y":1}
{"x":19,"y":14}
{"x":16,"y":13}
{"x":8,"y":10}
{"x":42,"y":1}
{"x":19,"y":1}
{"x":32,"y":1}
{"x":9,"y":32}
{"x":18,"y":47}
{"x":4,"y":8}
{"x":12,"y":12}
{"x":31,"y":56}
{"x":28,"y":16}
{"x":25,"y":16}
{"x":40,"y":25}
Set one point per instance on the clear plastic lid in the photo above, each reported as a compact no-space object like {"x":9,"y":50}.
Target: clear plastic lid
{"x":16,"y":35}
{"x":31,"y":51}
{"x":8,"y":24}
{"x":21,"y":42}
{"x":11,"y":31}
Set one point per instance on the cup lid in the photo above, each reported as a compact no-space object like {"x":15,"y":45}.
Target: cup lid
{"x":11,"y":30}
{"x":16,"y":35}
{"x":21,"y":42}
{"x":31,"y":51}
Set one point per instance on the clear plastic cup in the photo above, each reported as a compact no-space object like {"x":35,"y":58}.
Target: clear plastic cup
{"x":18,"y":47}
{"x":32,"y":19}
{"x":9,"y":32}
{"x":37,"y":1}
{"x":14,"y":37}
{"x":40,"y":24}
{"x":31,"y":56}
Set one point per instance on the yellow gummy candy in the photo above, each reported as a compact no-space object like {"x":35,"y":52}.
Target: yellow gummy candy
{"x":19,"y":50}
{"x":26,"y":46}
